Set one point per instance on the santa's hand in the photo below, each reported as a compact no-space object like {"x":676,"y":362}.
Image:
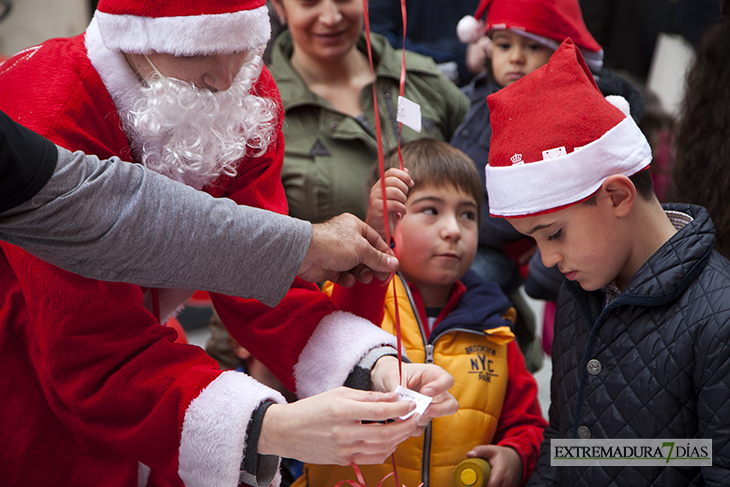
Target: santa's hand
{"x":397,"y":185}
{"x":427,"y":379}
{"x":344,"y":250}
{"x":328,"y":428}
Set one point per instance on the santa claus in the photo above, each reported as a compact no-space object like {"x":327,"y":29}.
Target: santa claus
{"x":95,"y":392}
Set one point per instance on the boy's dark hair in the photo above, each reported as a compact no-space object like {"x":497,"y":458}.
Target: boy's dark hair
{"x":431,"y":162}
{"x":642,"y":182}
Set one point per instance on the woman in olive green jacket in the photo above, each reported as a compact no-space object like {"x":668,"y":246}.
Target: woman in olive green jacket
{"x":321,"y":67}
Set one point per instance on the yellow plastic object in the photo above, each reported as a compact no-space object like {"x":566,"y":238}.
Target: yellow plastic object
{"x":472,"y":472}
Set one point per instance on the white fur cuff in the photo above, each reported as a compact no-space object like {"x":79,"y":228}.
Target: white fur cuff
{"x":337,"y":345}
{"x":213,"y":436}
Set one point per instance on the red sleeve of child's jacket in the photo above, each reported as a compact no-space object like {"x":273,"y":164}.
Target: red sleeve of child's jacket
{"x":364,"y":300}
{"x":521,"y":422}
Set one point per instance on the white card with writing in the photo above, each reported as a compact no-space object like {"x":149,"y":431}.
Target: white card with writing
{"x":421,"y":401}
{"x":409,"y":113}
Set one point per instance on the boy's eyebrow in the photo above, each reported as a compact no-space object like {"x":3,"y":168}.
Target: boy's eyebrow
{"x":435,"y":198}
{"x":427,"y":197}
{"x":538,"y":227}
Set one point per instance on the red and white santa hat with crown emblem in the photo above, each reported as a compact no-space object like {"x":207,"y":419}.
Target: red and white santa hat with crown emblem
{"x":183,"y":27}
{"x":555,"y":139}
{"x":548,"y":22}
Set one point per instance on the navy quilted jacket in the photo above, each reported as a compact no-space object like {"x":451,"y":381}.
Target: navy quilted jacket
{"x":653,"y":364}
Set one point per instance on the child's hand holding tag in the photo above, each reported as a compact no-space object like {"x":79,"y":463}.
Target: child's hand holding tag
{"x":421,"y":401}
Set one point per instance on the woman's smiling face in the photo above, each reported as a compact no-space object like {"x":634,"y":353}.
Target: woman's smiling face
{"x":323,"y":29}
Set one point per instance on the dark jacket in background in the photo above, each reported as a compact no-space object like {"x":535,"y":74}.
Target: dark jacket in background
{"x":431,"y":28}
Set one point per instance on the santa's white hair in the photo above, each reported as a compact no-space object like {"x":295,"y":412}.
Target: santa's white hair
{"x":192,"y":134}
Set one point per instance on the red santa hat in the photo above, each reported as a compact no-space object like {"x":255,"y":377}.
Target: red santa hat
{"x":555,"y":139}
{"x":183,"y":27}
{"x":548,"y":22}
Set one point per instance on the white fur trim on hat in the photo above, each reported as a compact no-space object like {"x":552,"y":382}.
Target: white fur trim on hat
{"x":469,"y":29}
{"x":186,"y":35}
{"x":338,"y":344}
{"x":213,"y":436}
{"x":527,"y":189}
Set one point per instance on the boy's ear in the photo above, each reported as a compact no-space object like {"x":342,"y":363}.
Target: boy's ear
{"x":621,"y":192}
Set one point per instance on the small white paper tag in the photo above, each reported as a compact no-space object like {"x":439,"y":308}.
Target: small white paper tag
{"x":409,"y":113}
{"x":421,"y":401}
{"x":554,"y":153}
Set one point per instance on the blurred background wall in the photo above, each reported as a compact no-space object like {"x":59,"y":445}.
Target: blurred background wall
{"x":24,"y":23}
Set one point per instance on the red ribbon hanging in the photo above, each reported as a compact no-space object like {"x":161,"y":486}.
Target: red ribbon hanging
{"x":388,"y":237}
{"x":381,"y":163}
{"x":361,"y":482}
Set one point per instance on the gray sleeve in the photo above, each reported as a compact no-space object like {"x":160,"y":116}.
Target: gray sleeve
{"x":115,"y":221}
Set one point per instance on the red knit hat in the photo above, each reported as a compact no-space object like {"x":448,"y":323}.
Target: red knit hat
{"x":548,"y":22}
{"x":555,"y":139}
{"x":183,"y":27}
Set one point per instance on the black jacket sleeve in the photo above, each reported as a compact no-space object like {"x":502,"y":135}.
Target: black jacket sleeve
{"x":27,"y":161}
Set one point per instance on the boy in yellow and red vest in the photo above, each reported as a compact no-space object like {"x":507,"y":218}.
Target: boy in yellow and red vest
{"x":449,"y":316}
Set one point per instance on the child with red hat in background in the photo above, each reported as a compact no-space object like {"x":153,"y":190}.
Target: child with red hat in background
{"x":642,"y":341}
{"x":524,"y":34}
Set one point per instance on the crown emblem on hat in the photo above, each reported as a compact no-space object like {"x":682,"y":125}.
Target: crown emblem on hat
{"x":516,"y":159}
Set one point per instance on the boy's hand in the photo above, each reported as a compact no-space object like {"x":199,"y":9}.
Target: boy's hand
{"x":428,"y":379}
{"x":397,"y":184}
{"x":505,"y":462}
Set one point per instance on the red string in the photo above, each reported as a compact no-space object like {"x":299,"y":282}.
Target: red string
{"x":386,"y":223}
{"x":381,"y":165}
{"x":361,"y":482}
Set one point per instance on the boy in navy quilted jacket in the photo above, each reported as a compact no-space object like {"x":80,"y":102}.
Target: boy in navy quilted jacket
{"x":642,"y":340}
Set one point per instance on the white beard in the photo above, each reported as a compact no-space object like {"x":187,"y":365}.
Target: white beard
{"x":193,"y":135}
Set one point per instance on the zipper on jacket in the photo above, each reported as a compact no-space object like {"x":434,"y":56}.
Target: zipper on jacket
{"x":429,"y":347}
{"x":429,"y":353}
{"x":426,"y":458}
{"x":426,"y":465}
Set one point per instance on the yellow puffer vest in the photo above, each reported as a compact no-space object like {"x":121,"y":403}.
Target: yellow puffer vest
{"x":478,"y":362}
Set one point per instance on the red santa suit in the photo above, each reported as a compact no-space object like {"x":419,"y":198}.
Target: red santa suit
{"x":95,"y":392}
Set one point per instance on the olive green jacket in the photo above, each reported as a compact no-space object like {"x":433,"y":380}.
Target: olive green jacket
{"x":329,"y":155}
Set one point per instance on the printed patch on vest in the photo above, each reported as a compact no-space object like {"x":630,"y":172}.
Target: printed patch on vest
{"x":481,"y":359}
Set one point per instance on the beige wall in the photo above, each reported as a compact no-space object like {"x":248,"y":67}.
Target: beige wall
{"x":33,"y":21}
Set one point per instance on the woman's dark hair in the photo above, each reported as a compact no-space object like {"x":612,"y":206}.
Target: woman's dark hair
{"x":701,"y":171}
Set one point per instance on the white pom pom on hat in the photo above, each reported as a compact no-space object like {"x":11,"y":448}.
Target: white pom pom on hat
{"x":620,"y":103}
{"x":469,"y":29}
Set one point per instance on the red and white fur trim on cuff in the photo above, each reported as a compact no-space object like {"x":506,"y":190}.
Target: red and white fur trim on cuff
{"x":338,"y":344}
{"x":213,"y":436}
{"x":521,"y":189}
{"x":186,"y":35}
